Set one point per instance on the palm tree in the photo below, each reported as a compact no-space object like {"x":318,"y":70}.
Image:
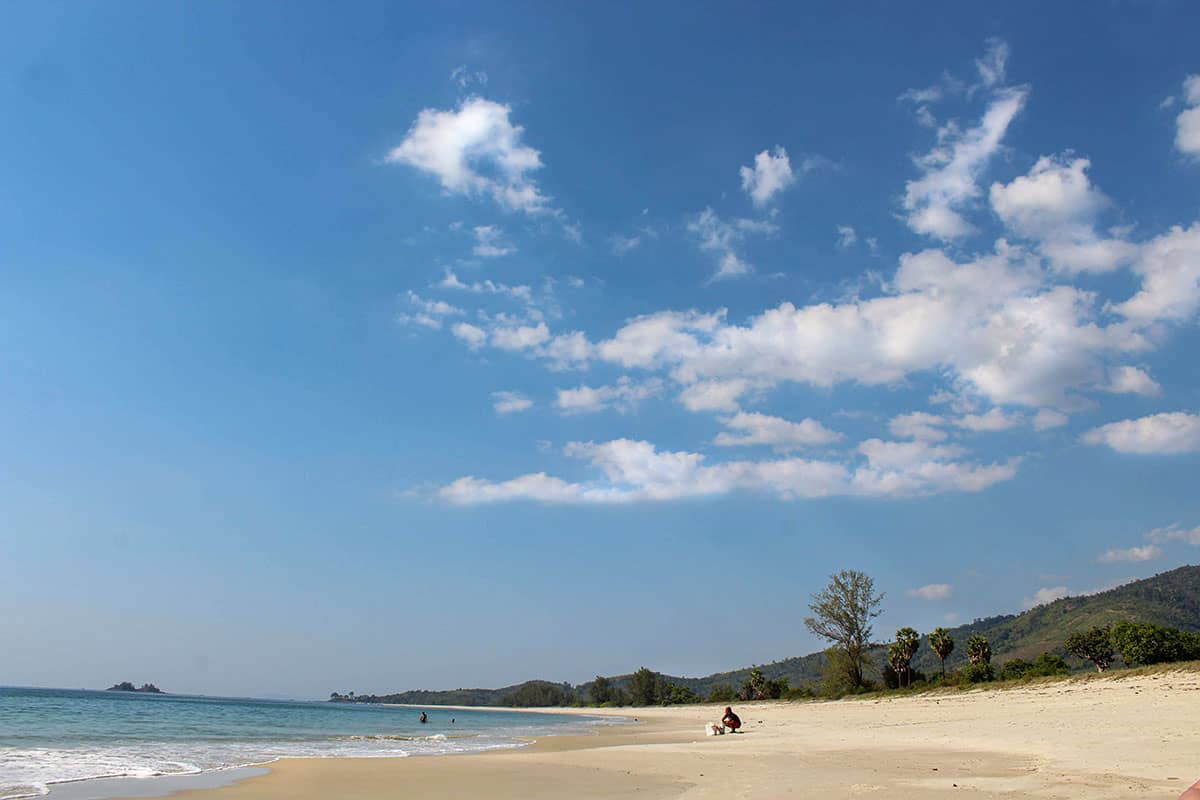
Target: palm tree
{"x":942,"y":644}
{"x":907,"y":642}
{"x":978,"y":650}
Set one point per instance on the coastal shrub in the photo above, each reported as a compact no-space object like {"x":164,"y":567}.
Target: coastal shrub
{"x":1094,"y":645}
{"x":840,"y":675}
{"x":1047,"y":665}
{"x":1144,"y":643}
{"x":799,"y":693}
{"x":1015,"y":669}
{"x":760,"y":687}
{"x":894,"y":679}
{"x":942,"y":644}
{"x":722,"y":693}
{"x":842,"y":615}
{"x":676,"y":695}
{"x":977,"y":673}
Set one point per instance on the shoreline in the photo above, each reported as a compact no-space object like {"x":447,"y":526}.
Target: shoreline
{"x":1115,"y":738}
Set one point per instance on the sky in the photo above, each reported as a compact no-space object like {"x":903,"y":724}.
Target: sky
{"x":382,"y":346}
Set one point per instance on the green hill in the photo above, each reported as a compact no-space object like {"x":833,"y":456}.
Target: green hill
{"x":1171,"y":599}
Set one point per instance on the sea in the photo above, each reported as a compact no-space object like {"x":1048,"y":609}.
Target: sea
{"x":52,"y":739}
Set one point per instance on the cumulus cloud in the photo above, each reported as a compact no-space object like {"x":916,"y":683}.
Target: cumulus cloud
{"x":1047,"y":418}
{"x":950,"y":170}
{"x":771,"y":174}
{"x":918,"y":425}
{"x":1045,"y":595}
{"x":932,"y":591}
{"x":847,"y":236}
{"x":1169,"y":268}
{"x":1056,"y":205}
{"x":1131,"y":380}
{"x":1187,"y":124}
{"x":993,"y":420}
{"x":623,"y":396}
{"x":714,"y":395}
{"x":475,"y":150}
{"x":1167,"y":433}
{"x":633,"y":471}
{"x":490,"y":242}
{"x":1145,"y":553}
{"x":1175,"y":533}
{"x":748,"y":428}
{"x":505,"y":402}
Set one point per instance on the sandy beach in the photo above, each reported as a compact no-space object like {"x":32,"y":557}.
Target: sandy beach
{"x":1122,"y":737}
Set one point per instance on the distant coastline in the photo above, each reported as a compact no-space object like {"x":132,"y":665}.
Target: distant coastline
{"x":127,"y":686}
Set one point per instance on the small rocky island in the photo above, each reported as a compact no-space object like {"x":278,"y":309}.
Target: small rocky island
{"x":126,"y":686}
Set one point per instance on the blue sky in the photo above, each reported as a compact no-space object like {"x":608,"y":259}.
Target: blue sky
{"x":382,"y":347}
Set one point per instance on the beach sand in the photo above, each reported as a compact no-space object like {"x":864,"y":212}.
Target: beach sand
{"x":1129,"y":737}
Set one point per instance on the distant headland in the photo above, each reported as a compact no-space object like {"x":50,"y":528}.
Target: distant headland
{"x":126,"y":686}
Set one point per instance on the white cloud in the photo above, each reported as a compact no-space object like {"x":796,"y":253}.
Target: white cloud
{"x":1131,"y":380}
{"x":714,"y":235}
{"x":1169,"y":268}
{"x":993,"y":420}
{"x":918,"y":425}
{"x":1045,"y":595}
{"x":993,"y":65}
{"x":427,"y":313}
{"x":714,"y":395}
{"x":510,"y":402}
{"x":520,"y":337}
{"x":475,"y":150}
{"x":474,"y":336}
{"x":464,"y":77}
{"x":847,"y":236}
{"x":1056,"y":205}
{"x":1175,"y":533}
{"x":781,"y":434}
{"x":451,"y":281}
{"x":950,"y":170}
{"x":635,"y":471}
{"x":932,"y":591}
{"x":623,"y":244}
{"x":1167,"y":433}
{"x":1145,"y":553}
{"x":624,"y":396}
{"x":490,"y":242}
{"x":1187,"y":124}
{"x":1047,"y":418}
{"x":771,"y":174}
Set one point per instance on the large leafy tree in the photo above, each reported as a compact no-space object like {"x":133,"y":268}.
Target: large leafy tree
{"x":842,"y":614}
{"x":601,"y":691}
{"x":1095,"y":646}
{"x":644,"y":687}
{"x":942,"y":643}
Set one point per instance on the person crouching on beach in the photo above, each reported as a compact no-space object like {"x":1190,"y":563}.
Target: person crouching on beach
{"x":1192,"y":793}
{"x":731,"y":720}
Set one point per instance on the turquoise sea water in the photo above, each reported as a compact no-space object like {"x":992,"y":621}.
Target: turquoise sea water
{"x":50,"y":736}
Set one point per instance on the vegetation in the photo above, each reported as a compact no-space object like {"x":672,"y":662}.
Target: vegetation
{"x":126,"y":686}
{"x":1147,"y":643}
{"x":842,"y":614}
{"x":1044,"y":666}
{"x":1152,"y":621}
{"x":901,"y":652}
{"x":1094,"y":645}
{"x":942,"y":643}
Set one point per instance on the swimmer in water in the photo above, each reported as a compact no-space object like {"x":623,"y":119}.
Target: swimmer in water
{"x":423,"y":717}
